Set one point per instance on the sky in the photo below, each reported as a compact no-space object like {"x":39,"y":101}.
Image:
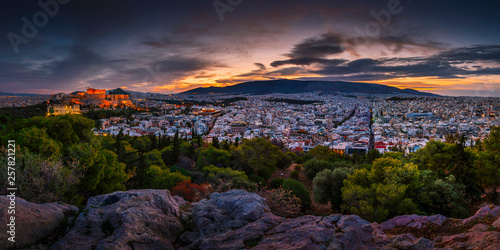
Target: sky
{"x":444,"y":47}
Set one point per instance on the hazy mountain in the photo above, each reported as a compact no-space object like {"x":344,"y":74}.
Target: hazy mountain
{"x":16,"y":94}
{"x":294,"y":86}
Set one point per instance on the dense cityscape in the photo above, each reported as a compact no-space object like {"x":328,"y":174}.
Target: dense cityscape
{"x":299,"y":121}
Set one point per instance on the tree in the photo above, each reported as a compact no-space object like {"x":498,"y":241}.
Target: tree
{"x":159,"y":178}
{"x":454,"y":159}
{"x":312,"y":167}
{"x":276,"y":183}
{"x":142,"y":144}
{"x":320,"y":152}
{"x":442,"y":196}
{"x":215,"y":142}
{"x":298,"y":190}
{"x":176,"y":148}
{"x":154,"y":158}
{"x":373,"y":155}
{"x":488,"y":162}
{"x":38,"y":141}
{"x":103,"y":173}
{"x":384,"y":191}
{"x":294,"y":174}
{"x":212,"y":156}
{"x":118,"y":147}
{"x":154,"y":141}
{"x":327,"y":186}
{"x":253,"y":155}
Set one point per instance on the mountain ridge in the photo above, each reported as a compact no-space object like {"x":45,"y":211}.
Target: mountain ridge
{"x":285,"y":86}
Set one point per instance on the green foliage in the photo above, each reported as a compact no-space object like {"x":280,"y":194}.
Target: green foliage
{"x":181,"y":170}
{"x":488,"y":167}
{"x":394,"y":155}
{"x":252,"y":156}
{"x":142,"y":144}
{"x":373,"y":155}
{"x":103,"y":172}
{"x":294,"y":174}
{"x":320,"y":152}
{"x":214,"y":171}
{"x":40,"y":179}
{"x":276,"y":183}
{"x":327,"y":186}
{"x":154,"y":158}
{"x":264,"y":172}
{"x":312,"y":167}
{"x":212,"y":156}
{"x":38,"y":141}
{"x":162,"y":178}
{"x":382,"y":192}
{"x":442,"y":196}
{"x":299,"y":191}
{"x":455,"y":159}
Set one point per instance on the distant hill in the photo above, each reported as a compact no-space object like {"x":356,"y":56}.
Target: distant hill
{"x":285,"y":86}
{"x":16,"y":94}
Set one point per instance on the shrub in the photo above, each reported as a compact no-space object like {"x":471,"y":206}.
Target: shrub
{"x":312,"y":167}
{"x":276,"y":183}
{"x":298,"y":190}
{"x":294,"y":174}
{"x":327,"y":186}
{"x":264,"y":172}
{"x":282,"y":202}
{"x":163,"y":178}
{"x":41,"y":180}
{"x":384,"y":191}
{"x":190,"y":191}
{"x":297,"y":168}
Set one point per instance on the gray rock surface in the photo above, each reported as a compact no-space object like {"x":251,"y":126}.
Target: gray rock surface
{"x":33,"y":222}
{"x":135,"y":219}
{"x":151,"y":219}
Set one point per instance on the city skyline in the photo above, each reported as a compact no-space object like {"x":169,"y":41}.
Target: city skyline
{"x":447,"y":48}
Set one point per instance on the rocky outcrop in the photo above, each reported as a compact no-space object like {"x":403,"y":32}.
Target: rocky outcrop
{"x":135,"y":219}
{"x":238,"y":219}
{"x":152,"y":219}
{"x":33,"y":222}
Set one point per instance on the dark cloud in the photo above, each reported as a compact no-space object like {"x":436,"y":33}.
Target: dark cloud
{"x":119,"y":43}
{"x":326,"y":44}
{"x":443,"y":65}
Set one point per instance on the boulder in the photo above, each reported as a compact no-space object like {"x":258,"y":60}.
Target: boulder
{"x":483,"y":212}
{"x":134,"y":219}
{"x":238,"y":219}
{"x":33,"y":222}
{"x":223,"y":212}
{"x":415,"y":221}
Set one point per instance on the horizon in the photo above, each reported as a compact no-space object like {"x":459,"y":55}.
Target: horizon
{"x":169,"y":48}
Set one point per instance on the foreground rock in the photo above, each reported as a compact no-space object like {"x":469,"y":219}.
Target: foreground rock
{"x":238,"y":219}
{"x":33,"y":222}
{"x":151,"y":219}
{"x":135,"y":219}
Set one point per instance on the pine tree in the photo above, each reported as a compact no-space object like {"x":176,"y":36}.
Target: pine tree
{"x":176,"y":152}
{"x":215,"y":142}
{"x":119,"y":149}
